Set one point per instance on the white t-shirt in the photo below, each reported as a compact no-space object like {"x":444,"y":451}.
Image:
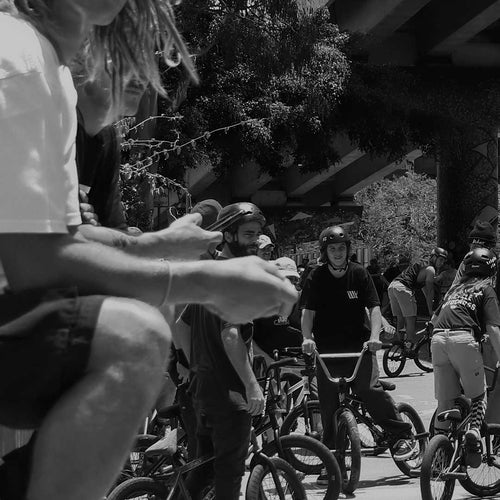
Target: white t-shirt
{"x":38,"y":176}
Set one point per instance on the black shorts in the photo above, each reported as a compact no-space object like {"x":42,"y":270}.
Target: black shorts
{"x":45,"y":341}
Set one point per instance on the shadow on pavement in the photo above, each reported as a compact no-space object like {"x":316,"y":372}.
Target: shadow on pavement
{"x":386,"y":481}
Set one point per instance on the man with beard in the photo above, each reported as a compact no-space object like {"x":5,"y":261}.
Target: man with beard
{"x":225,"y":391}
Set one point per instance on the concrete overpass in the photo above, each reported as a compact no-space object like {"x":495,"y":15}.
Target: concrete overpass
{"x":398,"y":32}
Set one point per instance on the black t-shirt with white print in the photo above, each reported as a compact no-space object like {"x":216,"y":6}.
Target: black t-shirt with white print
{"x":470,"y":307}
{"x":339,"y":304}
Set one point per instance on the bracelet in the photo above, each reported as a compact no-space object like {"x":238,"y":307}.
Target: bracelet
{"x":168,"y":286}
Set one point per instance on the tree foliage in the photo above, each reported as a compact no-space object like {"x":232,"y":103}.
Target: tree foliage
{"x":262,"y":60}
{"x":399,"y":216}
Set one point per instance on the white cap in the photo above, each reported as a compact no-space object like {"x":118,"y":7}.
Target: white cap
{"x":287,"y":267}
{"x":264,"y":241}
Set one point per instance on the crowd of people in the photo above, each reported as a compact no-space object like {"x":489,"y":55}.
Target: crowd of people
{"x":93,"y":308}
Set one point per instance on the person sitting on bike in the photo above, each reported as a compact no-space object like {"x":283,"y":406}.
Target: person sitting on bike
{"x":225,"y":391}
{"x":469,"y":310}
{"x":419,"y":275}
{"x":335,"y":298}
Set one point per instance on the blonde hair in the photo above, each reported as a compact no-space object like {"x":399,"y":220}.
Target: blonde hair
{"x":130,"y":47}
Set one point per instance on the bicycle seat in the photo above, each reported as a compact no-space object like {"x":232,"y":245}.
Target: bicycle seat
{"x":169,"y":411}
{"x":144,"y":441}
{"x":453,"y":415}
{"x":387,"y":386}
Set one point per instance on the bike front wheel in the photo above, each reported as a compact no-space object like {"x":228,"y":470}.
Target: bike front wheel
{"x":262,"y":485}
{"x":423,"y":355}
{"x":436,"y":462}
{"x":139,"y":488}
{"x":348,"y":451}
{"x":310,"y":457}
{"x":298,"y":422}
{"x":394,"y":359}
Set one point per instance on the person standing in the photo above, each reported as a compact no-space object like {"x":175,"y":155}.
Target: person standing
{"x":335,"y":300}
{"x":225,"y":391}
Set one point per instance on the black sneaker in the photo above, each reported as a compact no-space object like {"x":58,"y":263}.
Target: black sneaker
{"x":322,"y":478}
{"x":473,"y":448}
{"x":404,"y":449}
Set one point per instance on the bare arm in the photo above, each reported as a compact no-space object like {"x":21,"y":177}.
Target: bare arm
{"x":306,"y":325}
{"x":238,"y":290}
{"x":183,"y":239}
{"x":429,"y":288}
{"x":494,"y":333}
{"x":375,"y":316}
{"x":237,"y":353}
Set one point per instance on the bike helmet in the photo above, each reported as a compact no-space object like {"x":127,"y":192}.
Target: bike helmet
{"x":439,"y":252}
{"x":333,"y":234}
{"x":480,"y":262}
{"x":234,"y":215}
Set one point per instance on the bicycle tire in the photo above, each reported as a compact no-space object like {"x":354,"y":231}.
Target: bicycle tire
{"x":394,"y":360}
{"x":137,"y":487}
{"x":294,"y":422}
{"x":423,"y":356}
{"x":323,"y":459}
{"x":488,"y":474}
{"x":257,"y":486}
{"x":348,"y":445}
{"x":411,"y":466}
{"x":437,"y":458}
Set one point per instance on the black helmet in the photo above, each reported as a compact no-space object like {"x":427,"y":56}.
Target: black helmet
{"x":234,"y":215}
{"x":480,"y":262}
{"x":333,"y":234}
{"x":439,"y":252}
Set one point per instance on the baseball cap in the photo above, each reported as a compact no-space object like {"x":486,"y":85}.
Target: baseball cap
{"x":287,"y":267}
{"x":482,"y":232}
{"x":209,"y":210}
{"x":264,"y":241}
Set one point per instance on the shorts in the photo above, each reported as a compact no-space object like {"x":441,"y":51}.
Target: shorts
{"x":458,"y":364}
{"x":402,"y":299}
{"x":45,"y":342}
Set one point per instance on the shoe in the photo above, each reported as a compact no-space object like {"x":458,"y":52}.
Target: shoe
{"x":404,"y":449}
{"x":473,"y":448}
{"x":322,"y":478}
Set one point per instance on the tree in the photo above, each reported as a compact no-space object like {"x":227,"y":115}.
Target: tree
{"x":399,"y":216}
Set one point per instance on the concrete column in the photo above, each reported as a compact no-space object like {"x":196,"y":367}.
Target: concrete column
{"x":467,"y":186}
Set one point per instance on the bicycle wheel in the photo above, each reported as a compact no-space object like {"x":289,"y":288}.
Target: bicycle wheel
{"x":139,"y":488}
{"x":437,"y":460}
{"x":348,"y":451}
{"x":310,"y":457}
{"x":411,"y":466}
{"x":485,"y":480}
{"x":261,"y":483}
{"x":423,"y":356}
{"x":394,"y":359}
{"x":295,"y":422}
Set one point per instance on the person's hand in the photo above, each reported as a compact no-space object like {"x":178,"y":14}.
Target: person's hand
{"x":183,"y":373}
{"x":245,"y":288}
{"x":255,"y":399}
{"x":87,"y":211}
{"x":185,"y":239}
{"x":373,"y":345}
{"x":308,"y":346}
